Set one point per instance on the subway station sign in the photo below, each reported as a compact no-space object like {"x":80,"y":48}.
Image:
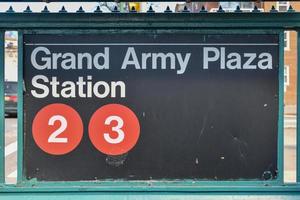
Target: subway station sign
{"x":150,"y":106}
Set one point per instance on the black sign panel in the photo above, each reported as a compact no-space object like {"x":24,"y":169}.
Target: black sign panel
{"x":150,"y":106}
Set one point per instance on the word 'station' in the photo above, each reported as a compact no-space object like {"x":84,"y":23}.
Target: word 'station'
{"x":153,"y":106}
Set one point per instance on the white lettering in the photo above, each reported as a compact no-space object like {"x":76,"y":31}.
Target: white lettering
{"x":46,"y":60}
{"x":206,"y":58}
{"x":40,"y":86}
{"x":131,"y":53}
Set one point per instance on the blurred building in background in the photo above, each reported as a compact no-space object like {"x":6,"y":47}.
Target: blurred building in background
{"x":290,"y":60}
{"x":11,"y":56}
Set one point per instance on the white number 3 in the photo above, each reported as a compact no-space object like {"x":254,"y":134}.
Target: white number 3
{"x":63,"y":125}
{"x":116,"y":128}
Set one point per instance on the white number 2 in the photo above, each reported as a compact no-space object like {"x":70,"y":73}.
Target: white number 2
{"x":116,"y":128}
{"x":63,"y":125}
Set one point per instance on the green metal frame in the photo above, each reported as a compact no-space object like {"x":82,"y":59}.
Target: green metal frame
{"x":261,"y":20}
{"x":111,"y":23}
{"x":280,"y":147}
{"x":2,"y":122}
{"x":20,"y":108}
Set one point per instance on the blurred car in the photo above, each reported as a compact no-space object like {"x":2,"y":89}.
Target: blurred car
{"x":11,"y":99}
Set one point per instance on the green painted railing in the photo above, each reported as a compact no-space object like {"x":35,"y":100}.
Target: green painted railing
{"x":81,"y":22}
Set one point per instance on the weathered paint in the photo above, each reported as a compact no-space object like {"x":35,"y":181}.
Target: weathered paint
{"x":20,"y":108}
{"x":149,"y":196}
{"x":280,"y":147}
{"x":286,"y":20}
{"x":2,"y":112}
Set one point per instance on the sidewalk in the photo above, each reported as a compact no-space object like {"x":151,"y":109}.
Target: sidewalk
{"x":290,"y":110}
{"x":290,"y":123}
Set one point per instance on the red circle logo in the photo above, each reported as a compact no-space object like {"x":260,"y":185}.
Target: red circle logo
{"x":57,"y":129}
{"x":114,"y":129}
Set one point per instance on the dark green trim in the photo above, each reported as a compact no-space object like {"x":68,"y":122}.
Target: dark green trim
{"x":20,"y":109}
{"x":280,"y":140}
{"x":286,"y":20}
{"x":2,"y":111}
{"x":149,"y":196}
{"x":150,"y":31}
{"x":151,"y":186}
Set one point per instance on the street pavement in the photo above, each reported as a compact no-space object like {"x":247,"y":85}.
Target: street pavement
{"x":11,"y":149}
